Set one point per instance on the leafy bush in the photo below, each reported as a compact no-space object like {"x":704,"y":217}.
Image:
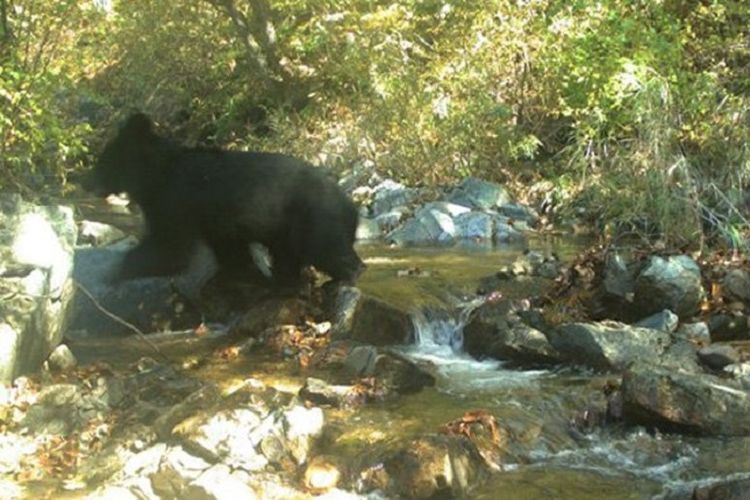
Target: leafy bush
{"x":634,"y":110}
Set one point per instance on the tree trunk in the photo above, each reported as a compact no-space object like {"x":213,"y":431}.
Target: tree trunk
{"x":254,"y":27}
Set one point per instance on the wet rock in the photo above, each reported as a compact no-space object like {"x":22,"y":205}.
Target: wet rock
{"x":695,"y":403}
{"x":737,"y":489}
{"x":62,"y":359}
{"x":478,"y":194}
{"x":495,"y":331}
{"x":388,"y":373}
{"x":518,"y":212}
{"x":665,"y":321}
{"x":368,"y":229}
{"x":672,"y":283}
{"x":433,"y":466}
{"x":608,"y":345}
{"x":505,"y":233}
{"x":369,"y":320}
{"x":717,"y":356}
{"x":360,"y":361}
{"x":36,"y":264}
{"x":321,"y":393}
{"x":400,"y":375}
{"x":98,"y":234}
{"x":736,"y":285}
{"x":725,"y":326}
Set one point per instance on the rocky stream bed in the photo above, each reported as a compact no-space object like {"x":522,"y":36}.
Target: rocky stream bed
{"x":481,"y":363}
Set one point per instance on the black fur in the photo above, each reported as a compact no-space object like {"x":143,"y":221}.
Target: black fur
{"x":227,"y":199}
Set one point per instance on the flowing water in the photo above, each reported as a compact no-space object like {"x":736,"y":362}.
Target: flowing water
{"x":546,"y":459}
{"x":535,"y":406}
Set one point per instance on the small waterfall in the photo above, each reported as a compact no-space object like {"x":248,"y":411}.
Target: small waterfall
{"x":443,"y":327}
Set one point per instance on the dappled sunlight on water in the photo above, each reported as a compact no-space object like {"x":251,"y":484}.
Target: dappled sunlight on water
{"x":545,"y":459}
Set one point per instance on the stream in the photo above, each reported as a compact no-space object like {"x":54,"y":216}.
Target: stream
{"x":547,"y":458}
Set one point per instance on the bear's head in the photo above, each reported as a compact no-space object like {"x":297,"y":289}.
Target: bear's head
{"x":124,"y":164}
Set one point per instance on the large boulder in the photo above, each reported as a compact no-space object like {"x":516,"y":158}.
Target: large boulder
{"x":36,"y":265}
{"x":474,"y":226}
{"x":494,"y":330}
{"x":478,"y":194}
{"x":428,"y":226}
{"x":149,"y":304}
{"x":389,"y":194}
{"x":608,"y":345}
{"x":367,"y":319}
{"x":672,"y":283}
{"x":695,"y":403}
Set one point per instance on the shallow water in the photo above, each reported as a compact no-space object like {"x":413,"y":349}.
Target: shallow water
{"x":546,"y":459}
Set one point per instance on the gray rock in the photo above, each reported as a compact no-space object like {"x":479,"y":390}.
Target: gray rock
{"x":478,"y":194}
{"x":494,"y":331}
{"x":619,"y":277}
{"x":360,"y":361}
{"x":725,"y":326}
{"x":608,"y":345}
{"x":428,"y":226}
{"x":505,"y":233}
{"x":740,"y":372}
{"x":697,"y":332}
{"x":388,"y":221}
{"x":378,"y":323}
{"x":36,"y":265}
{"x":62,"y":359}
{"x":389,"y":194}
{"x":319,"y":392}
{"x":696,"y":403}
{"x":60,"y":409}
{"x":452,"y":209}
{"x":665,"y":321}
{"x":736,"y":285}
{"x":672,"y":283}
{"x":150,"y":304}
{"x":519,"y":212}
{"x":474,"y":226}
{"x":717,"y":356}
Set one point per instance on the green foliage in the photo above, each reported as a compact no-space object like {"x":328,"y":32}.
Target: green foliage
{"x":636,"y":110}
{"x":38,"y":140}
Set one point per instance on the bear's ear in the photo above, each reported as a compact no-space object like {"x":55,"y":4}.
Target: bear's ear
{"x":138,"y":124}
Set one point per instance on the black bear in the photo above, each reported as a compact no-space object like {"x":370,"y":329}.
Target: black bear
{"x":227,"y":199}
